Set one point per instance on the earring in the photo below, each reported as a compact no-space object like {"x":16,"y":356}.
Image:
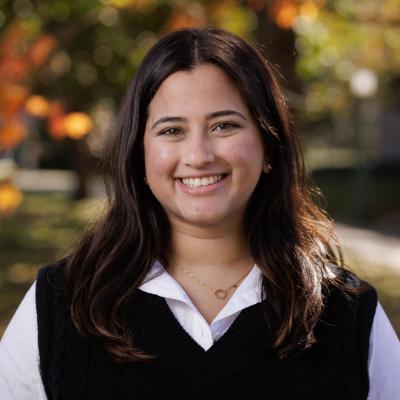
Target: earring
{"x":145,"y":181}
{"x":267,"y":167}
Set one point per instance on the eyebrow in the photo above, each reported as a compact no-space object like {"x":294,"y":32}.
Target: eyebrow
{"x":222,"y":113}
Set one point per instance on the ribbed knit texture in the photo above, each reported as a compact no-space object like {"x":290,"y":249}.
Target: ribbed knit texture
{"x":240,"y":365}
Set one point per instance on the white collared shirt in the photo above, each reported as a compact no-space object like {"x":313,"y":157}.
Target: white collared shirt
{"x":19,"y":354}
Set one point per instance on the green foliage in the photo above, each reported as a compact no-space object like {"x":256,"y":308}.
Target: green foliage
{"x":101,"y":42}
{"x":344,"y":37}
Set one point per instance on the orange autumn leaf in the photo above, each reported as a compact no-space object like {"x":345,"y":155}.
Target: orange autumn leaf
{"x":13,"y":69}
{"x":13,"y":63}
{"x":285,"y":13}
{"x":182,"y":18}
{"x":41,"y":48}
{"x":55,"y":127}
{"x":55,"y":121}
{"x":11,"y":134}
{"x":10,"y":198}
{"x":13,"y":35}
{"x":12,"y":99}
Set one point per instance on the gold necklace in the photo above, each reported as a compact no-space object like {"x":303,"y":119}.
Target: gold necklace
{"x":220,"y":294}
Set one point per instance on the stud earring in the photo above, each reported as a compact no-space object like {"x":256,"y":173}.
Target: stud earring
{"x":145,"y":181}
{"x":267,"y":167}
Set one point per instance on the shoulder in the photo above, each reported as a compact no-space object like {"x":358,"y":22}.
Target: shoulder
{"x":50,"y":289}
{"x":352,"y":290}
{"x":350,"y":307}
{"x":50,"y":283}
{"x":352,"y":297}
{"x":52,"y":273}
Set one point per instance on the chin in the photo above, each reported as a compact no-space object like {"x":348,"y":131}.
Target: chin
{"x":202,"y":220}
{"x":206,"y":220}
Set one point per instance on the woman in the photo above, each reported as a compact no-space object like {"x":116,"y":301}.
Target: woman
{"x":213,"y":274}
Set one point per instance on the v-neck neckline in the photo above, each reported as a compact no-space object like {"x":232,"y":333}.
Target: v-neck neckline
{"x":162,"y":335}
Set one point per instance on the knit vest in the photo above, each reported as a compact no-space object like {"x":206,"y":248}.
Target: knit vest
{"x":240,"y":365}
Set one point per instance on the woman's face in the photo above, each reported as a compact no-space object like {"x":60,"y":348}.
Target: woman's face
{"x":203,"y":150}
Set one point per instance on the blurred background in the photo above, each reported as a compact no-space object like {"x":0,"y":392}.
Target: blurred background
{"x":64,"y":66}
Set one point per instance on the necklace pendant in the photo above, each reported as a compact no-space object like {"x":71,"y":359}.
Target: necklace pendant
{"x":221,"y":294}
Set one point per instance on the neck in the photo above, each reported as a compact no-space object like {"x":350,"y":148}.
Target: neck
{"x":208,"y":248}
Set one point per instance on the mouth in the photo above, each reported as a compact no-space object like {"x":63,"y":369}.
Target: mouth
{"x":197,"y":182}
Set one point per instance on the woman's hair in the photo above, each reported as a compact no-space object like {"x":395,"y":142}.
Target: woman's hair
{"x":291,"y":239}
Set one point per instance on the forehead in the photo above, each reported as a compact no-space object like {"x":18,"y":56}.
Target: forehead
{"x":203,"y":89}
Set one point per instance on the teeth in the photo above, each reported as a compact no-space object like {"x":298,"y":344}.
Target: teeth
{"x":204,"y":181}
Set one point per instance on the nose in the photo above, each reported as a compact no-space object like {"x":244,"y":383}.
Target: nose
{"x":198,"y":150}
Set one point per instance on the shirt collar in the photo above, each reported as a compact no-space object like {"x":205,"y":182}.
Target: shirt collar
{"x":159,"y":282}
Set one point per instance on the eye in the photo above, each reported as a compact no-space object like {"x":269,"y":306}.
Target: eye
{"x":171,"y":132}
{"x":223,"y":126}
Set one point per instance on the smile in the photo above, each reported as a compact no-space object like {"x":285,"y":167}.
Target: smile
{"x":201,"y":181}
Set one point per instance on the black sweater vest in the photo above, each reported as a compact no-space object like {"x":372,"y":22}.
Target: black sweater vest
{"x":240,"y":365}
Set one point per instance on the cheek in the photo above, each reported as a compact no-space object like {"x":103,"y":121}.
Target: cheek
{"x":247,"y":153}
{"x":239,"y":154}
{"x":159,"y":159}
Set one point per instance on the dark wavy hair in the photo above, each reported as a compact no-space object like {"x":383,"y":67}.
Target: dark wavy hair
{"x":290,"y":237}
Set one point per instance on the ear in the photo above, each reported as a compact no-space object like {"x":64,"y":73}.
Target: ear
{"x":267,"y":167}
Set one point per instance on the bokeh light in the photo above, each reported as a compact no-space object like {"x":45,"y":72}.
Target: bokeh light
{"x":11,"y":198}
{"x":37,"y":106}
{"x":77,"y":124}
